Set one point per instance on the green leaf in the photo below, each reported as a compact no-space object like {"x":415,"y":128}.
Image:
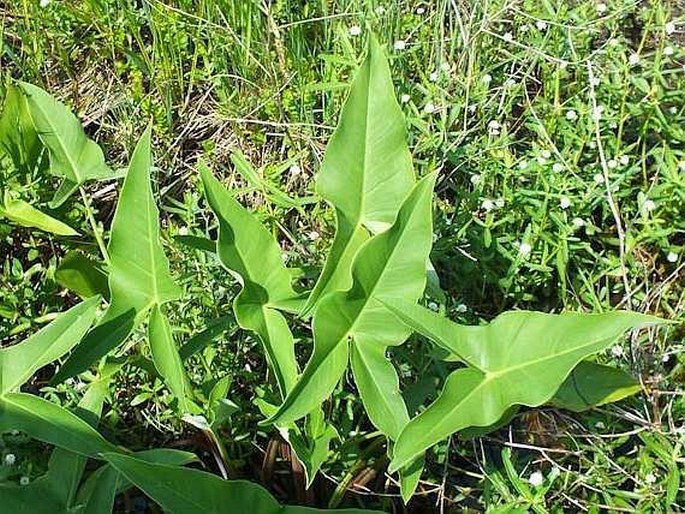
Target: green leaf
{"x":251,"y":253}
{"x":390,"y":265}
{"x":52,"y":424}
{"x":367,"y":169}
{"x":139,"y":274}
{"x":82,"y":275}
{"x":26,"y":215}
{"x":166,"y":358}
{"x":17,"y":134}
{"x":591,"y":384}
{"x":521,"y":358}
{"x":97,"y":494}
{"x":20,"y":361}
{"x":72,"y":155}
{"x":188,"y":491}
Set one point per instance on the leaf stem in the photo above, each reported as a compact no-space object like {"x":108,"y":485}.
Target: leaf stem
{"x":94,"y":225}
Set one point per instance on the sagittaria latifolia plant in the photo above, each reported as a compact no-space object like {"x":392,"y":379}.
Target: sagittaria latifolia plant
{"x":367,"y":299}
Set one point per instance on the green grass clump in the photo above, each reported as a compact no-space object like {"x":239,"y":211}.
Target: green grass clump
{"x":557,"y":130}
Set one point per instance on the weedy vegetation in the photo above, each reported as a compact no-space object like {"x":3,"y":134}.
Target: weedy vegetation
{"x":456,"y":338}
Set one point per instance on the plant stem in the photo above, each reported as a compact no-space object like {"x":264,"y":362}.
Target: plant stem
{"x":94,"y":225}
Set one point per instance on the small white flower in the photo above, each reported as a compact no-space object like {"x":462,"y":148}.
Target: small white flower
{"x":355,"y":30}
{"x":624,"y":160}
{"x":433,"y":306}
{"x":44,"y":3}
{"x":487,"y":78}
{"x":597,"y":112}
{"x":10,"y":459}
{"x":314,"y":235}
{"x":598,"y":178}
{"x":493,"y":127}
{"x":612,"y":164}
{"x":433,"y":76}
{"x":405,"y":98}
{"x":445,"y":66}
{"x":571,"y":115}
{"x":672,"y":257}
{"x":525,"y":249}
{"x":429,"y":108}
{"x":613,"y":42}
{"x":499,"y":202}
{"x":650,"y":478}
{"x":536,"y":479}
{"x":400,"y":45}
{"x":24,"y":481}
{"x":420,"y":10}
{"x":665,"y":358}
{"x":578,"y":222}
{"x":669,"y":28}
{"x":601,"y":8}
{"x":475,"y":179}
{"x":599,"y":425}
{"x":472,"y":108}
{"x":183,"y":231}
{"x":295,"y":170}
{"x":509,"y":83}
{"x":487,"y":205}
{"x":564,"y":203}
{"x":541,"y":25}
{"x":649,"y":205}
{"x":673,"y":109}
{"x":634,"y":59}
{"x":557,"y":167}
{"x":525,"y":27}
{"x":617,"y":351}
{"x":669,"y":50}
{"x":592,"y":144}
{"x":508,"y":37}
{"x":461,"y":308}
{"x":380,"y":10}
{"x":546,"y":154}
{"x":523,"y":164}
{"x":595,"y":81}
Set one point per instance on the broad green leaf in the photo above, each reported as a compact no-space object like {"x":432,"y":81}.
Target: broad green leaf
{"x":520,"y":358}
{"x":251,"y":253}
{"x":139,"y":274}
{"x":54,"y":492}
{"x":72,"y":155}
{"x":20,"y":361}
{"x":591,"y":384}
{"x":390,"y":265}
{"x":52,"y":424}
{"x":97,"y":494}
{"x":26,"y":215}
{"x":188,"y":491}
{"x":367,"y":169}
{"x":82,"y":275}
{"x":17,"y":135}
{"x":166,"y":358}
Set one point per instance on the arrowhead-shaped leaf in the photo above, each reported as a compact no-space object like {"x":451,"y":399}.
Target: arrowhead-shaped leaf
{"x":20,"y":361}
{"x":72,"y":155}
{"x":139,"y":274}
{"x":521,"y":358}
{"x":390,"y":265}
{"x":367,"y":169}
{"x":247,"y":249}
